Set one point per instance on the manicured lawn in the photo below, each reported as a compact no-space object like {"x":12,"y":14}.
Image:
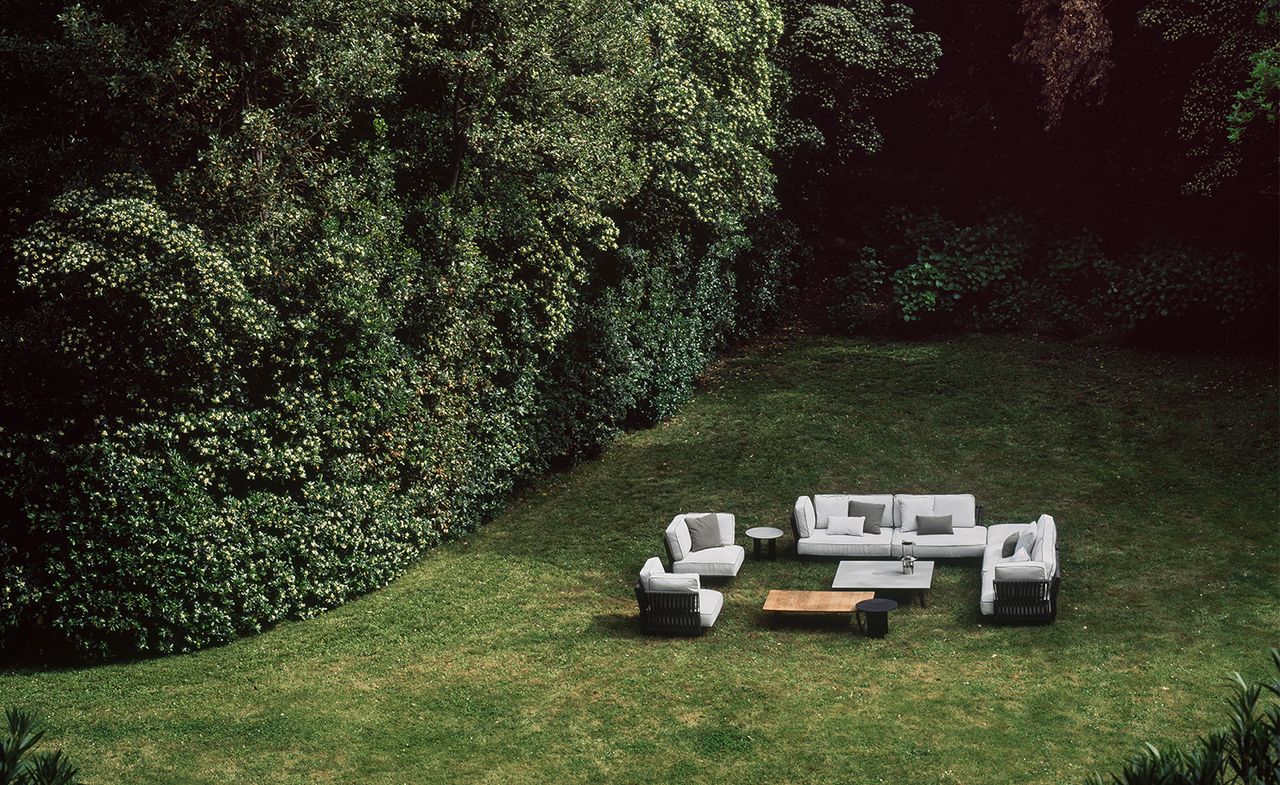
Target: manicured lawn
{"x":514,"y":656}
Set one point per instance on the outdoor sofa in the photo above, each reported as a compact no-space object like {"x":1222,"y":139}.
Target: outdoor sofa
{"x":1022,"y":590}
{"x":810,"y":520}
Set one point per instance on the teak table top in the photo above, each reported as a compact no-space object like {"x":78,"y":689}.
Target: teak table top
{"x":815,"y":601}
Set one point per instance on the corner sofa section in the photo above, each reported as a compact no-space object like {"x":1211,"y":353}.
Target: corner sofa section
{"x":809,"y":520}
{"x":1022,"y":591}
{"x":721,"y":561}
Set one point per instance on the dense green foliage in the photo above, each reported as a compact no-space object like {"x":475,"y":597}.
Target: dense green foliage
{"x":514,"y":655}
{"x":1246,"y":752}
{"x":300,"y":290}
{"x":21,"y":764}
{"x":1011,"y":271}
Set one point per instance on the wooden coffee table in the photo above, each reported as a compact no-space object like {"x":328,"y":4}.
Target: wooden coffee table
{"x":822,"y":602}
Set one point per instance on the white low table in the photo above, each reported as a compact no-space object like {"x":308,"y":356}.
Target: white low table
{"x":886,"y":575}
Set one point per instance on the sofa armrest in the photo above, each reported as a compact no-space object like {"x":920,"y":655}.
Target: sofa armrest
{"x":1021,"y":571}
{"x":803,"y":518}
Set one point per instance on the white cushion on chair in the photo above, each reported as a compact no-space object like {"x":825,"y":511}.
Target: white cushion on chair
{"x":827,"y":504}
{"x":1020,"y":571}
{"x":710,"y":602}
{"x":651,"y":567}
{"x":674,"y":583}
{"x":846,"y":546}
{"x":678,"y":541}
{"x":965,"y":542}
{"x":722,"y":561}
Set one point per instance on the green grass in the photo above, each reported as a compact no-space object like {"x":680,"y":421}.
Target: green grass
{"x":513,"y":656}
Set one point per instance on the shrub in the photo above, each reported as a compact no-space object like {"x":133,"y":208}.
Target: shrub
{"x":21,"y":765}
{"x":1246,"y":752}
{"x":972,"y":276}
{"x":1167,"y":282}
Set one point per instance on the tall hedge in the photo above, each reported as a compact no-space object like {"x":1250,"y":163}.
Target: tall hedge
{"x":292,"y":292}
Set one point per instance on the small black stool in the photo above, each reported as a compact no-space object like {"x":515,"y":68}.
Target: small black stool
{"x":877,"y":612}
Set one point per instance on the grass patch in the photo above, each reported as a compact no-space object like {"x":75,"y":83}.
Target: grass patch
{"x":513,"y":656}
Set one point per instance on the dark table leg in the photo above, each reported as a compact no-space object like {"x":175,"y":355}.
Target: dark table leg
{"x":877,"y":624}
{"x":773,"y":549}
{"x":757,"y":547}
{"x":922,"y":591}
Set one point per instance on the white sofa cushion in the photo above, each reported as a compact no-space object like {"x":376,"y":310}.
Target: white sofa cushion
{"x":827,"y":504}
{"x":724,"y":560}
{"x":651,"y":567}
{"x":846,"y":546}
{"x":967,"y":542}
{"x":906,"y":508}
{"x":677,"y":535}
{"x":806,"y":519}
{"x":843,"y":524}
{"x":1046,"y":544}
{"x":710,"y":602}
{"x":674,"y":583}
{"x":962,"y":507}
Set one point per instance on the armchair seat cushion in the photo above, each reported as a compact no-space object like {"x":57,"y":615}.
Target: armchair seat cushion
{"x":710,"y":602}
{"x":724,"y":560}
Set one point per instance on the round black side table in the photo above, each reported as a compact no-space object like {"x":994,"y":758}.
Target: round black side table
{"x":877,"y":613}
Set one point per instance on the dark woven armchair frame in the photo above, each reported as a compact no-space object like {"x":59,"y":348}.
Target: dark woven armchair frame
{"x":668,"y":612}
{"x":1027,"y":602}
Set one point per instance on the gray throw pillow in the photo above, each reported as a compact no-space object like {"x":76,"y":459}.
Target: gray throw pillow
{"x":874,"y":514}
{"x":704,"y":531}
{"x":933,"y":524}
{"x":1010,"y":545}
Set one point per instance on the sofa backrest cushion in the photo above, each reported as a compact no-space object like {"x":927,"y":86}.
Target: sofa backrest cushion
{"x":962,"y":507}
{"x":1021,"y":571}
{"x":1046,"y":545}
{"x":676,"y":582}
{"x":827,"y":504}
{"x":678,"y":538}
{"x":805,"y":517}
{"x":704,"y":531}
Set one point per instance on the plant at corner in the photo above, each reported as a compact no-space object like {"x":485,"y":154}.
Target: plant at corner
{"x":1246,"y":752}
{"x":19,"y":765}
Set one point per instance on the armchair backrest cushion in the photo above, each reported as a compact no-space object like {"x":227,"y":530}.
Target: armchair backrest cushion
{"x":827,"y":504}
{"x":1021,"y":571}
{"x":651,"y":568}
{"x":805,"y":517}
{"x":684,"y":583}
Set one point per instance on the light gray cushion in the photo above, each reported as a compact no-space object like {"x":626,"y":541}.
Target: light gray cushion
{"x":651,"y":567}
{"x":963,"y":543}
{"x":827,"y":504}
{"x":872,"y":513}
{"x":677,"y":535}
{"x":704,"y":532}
{"x":843,"y":545}
{"x":804,"y":516}
{"x":933,"y":524}
{"x":1020,"y":571}
{"x":710,"y":602}
{"x":1018,"y":555}
{"x":843,"y":524}
{"x":722,"y":561}
{"x":674,"y":583}
{"x":962,"y":507}
{"x":906,"y":508}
